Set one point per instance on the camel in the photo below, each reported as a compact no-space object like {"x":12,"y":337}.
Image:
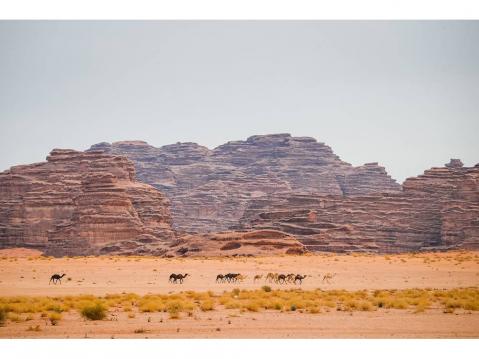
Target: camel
{"x":328,"y":276}
{"x":257,"y":277}
{"x":299,"y":278}
{"x":56,"y":277}
{"x":281,"y":279}
{"x":220,"y":278}
{"x":290,"y":278}
{"x":272,"y":277}
{"x":240,"y":277}
{"x":231,"y":277}
{"x":175,"y":277}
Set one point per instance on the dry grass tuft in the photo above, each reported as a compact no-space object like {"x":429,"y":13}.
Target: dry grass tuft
{"x":54,"y":318}
{"x":207,"y":305}
{"x":3,"y":317}
{"x":35,"y":328}
{"x":94,"y":311}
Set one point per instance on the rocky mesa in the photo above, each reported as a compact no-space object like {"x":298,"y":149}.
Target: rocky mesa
{"x":82,"y":203}
{"x":209,"y":190}
{"x":268,"y":194}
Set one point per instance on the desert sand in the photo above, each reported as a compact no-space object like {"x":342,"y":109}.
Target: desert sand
{"x":27,"y":274}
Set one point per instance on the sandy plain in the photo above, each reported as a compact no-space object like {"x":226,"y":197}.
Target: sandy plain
{"x":24,"y":273}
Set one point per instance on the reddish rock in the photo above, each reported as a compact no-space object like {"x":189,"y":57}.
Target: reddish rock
{"x":437,"y":210}
{"x":255,"y":242}
{"x":80,"y":203}
{"x":210,"y":189}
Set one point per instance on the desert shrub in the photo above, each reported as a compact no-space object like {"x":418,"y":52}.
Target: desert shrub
{"x":54,"y":318}
{"x":151,"y":305}
{"x":266,"y":288}
{"x":314,"y":310}
{"x":207,"y":305}
{"x":35,"y":328}
{"x":14,"y":317}
{"x":174,"y":309}
{"x":252,"y":306}
{"x":3,"y":317}
{"x":54,"y":307}
{"x":293,"y":307}
{"x":365,"y":306}
{"x":95,"y":311}
{"x":277,"y":306}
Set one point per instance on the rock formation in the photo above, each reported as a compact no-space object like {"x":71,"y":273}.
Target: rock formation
{"x":81,"y":203}
{"x":268,"y":194}
{"x":437,"y":210}
{"x":210,"y":189}
{"x":246,"y":243}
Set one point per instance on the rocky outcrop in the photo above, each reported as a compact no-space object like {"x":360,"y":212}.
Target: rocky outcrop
{"x":81,"y":203}
{"x":210,"y":189}
{"x":437,"y":210}
{"x":266,"y":195}
{"x":248,"y":243}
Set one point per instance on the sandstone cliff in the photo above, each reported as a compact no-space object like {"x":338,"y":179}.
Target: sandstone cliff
{"x":210,"y":189}
{"x":81,"y":203}
{"x":437,"y":210}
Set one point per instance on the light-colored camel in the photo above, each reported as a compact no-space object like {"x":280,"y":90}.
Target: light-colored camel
{"x":328,"y":276}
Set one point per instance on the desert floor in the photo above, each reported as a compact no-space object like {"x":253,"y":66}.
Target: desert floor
{"x":22,"y":273}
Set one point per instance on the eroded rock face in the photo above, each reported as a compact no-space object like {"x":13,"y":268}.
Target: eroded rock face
{"x":210,"y":189}
{"x":437,"y":210}
{"x":247,"y":243}
{"x":81,"y":203}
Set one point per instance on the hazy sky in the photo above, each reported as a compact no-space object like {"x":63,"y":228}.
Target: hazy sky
{"x":404,"y":94}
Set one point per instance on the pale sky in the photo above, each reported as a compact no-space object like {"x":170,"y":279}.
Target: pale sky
{"x":404,"y":94}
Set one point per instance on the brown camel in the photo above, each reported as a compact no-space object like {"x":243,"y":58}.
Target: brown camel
{"x":299,"y":278}
{"x":174,"y":278}
{"x":56,"y":278}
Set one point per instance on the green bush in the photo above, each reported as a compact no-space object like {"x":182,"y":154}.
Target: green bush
{"x":266,"y":288}
{"x":94,"y":312}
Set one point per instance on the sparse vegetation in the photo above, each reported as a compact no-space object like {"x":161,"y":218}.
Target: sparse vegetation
{"x":95,"y":311}
{"x":22,"y":308}
{"x":54,"y":318}
{"x":35,"y":328}
{"x":207,"y":305}
{"x":3,"y":317}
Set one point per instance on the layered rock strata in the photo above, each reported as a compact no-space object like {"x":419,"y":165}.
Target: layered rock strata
{"x":246,"y":243}
{"x":437,"y":210}
{"x":81,"y":203}
{"x":210,"y":189}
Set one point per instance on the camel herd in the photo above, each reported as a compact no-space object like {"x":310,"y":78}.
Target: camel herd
{"x":277,"y":278}
{"x":230,"y":278}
